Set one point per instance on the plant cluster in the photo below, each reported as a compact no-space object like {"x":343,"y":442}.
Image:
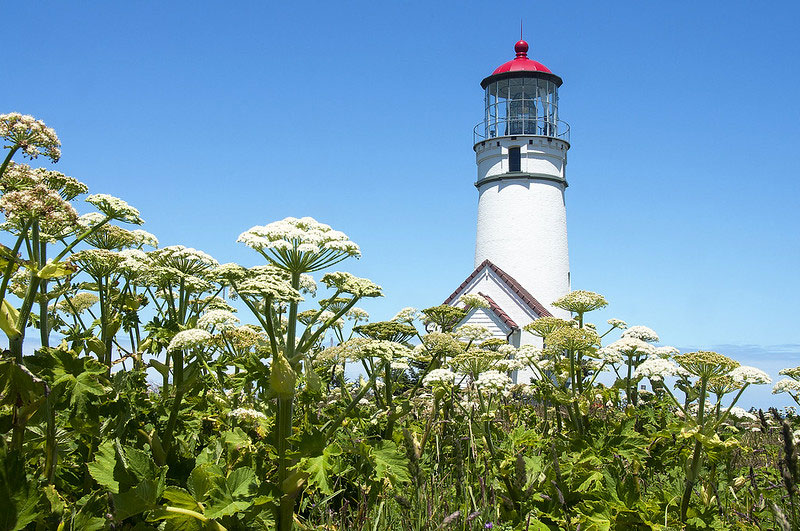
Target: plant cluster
{"x":150,"y":403}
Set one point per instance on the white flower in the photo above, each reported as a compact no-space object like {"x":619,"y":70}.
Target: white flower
{"x":90,"y":220}
{"x":399,"y":364}
{"x":187,"y":339}
{"x":749,"y":375}
{"x":629,"y":346}
{"x":656,"y":369}
{"x":472,"y":332}
{"x":219,"y":319}
{"x":145,"y":238}
{"x":357,"y":314}
{"x":741,"y":413}
{"x":528,"y":355}
{"x":115,"y":208}
{"x":618,"y":323}
{"x":38,"y":202}
{"x":610,"y":355}
{"x":406,"y":315}
{"x":267,"y":281}
{"x":473,"y":300}
{"x":667,"y":352}
{"x":305,"y":241}
{"x":347,"y":283}
{"x":581,"y":301}
{"x":439,"y":376}
{"x":786,"y":386}
{"x":493,"y":382}
{"x":31,"y":135}
{"x":307,"y":284}
{"x":642,"y":333}
{"x":248,"y":414}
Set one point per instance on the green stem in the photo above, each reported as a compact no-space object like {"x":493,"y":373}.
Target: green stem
{"x":8,"y":159}
{"x":177,"y":383}
{"x":694,"y":469}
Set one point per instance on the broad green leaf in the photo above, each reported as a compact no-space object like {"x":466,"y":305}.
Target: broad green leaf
{"x":102,"y":468}
{"x":203,"y":478}
{"x":318,"y":468}
{"x":241,"y":482}
{"x":389,"y":463}
{"x":178,"y":497}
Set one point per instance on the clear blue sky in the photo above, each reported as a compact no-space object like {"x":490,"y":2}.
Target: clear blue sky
{"x":211,"y":117}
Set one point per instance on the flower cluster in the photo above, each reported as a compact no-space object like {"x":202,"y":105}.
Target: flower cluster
{"x":31,"y":135}
{"x":406,"y":315}
{"x":473,"y":333}
{"x":618,"y":323}
{"x":642,"y":333}
{"x":580,"y":301}
{"x":347,"y":283}
{"x":217,"y":319}
{"x":115,"y":208}
{"x":188,"y":339}
{"x":706,"y":364}
{"x":749,"y":375}
{"x":472,"y":300}
{"x":248,"y":414}
{"x":493,"y":381}
{"x":41,"y":203}
{"x":302,"y":244}
{"x":656,"y":369}
{"x":439,"y":376}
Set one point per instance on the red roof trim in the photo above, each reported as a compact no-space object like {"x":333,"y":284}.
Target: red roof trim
{"x":515,"y":286}
{"x":498,"y":311}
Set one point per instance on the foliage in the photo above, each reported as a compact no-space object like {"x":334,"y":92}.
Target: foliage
{"x":150,"y":406}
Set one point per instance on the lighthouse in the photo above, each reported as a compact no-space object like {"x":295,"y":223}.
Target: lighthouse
{"x":521,"y":252}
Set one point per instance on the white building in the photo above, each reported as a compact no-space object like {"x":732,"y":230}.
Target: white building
{"x":521,"y":252}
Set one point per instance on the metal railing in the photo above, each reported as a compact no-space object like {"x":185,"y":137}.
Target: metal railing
{"x":519,"y":127}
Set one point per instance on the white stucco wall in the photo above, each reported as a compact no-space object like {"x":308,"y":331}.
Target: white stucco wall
{"x":522,"y":219}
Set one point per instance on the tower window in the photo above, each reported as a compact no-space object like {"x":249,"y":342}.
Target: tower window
{"x":514,"y":162}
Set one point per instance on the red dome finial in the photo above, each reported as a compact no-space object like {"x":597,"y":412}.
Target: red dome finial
{"x":521,"y":48}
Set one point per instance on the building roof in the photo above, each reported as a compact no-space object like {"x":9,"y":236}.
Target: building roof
{"x":521,"y":63}
{"x":498,"y":311}
{"x":512,"y":284}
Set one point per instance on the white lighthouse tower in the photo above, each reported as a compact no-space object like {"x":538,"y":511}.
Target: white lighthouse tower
{"x":521,"y":151}
{"x":521,"y":252}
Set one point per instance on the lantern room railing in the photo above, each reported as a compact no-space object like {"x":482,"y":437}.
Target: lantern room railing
{"x":520,"y":127}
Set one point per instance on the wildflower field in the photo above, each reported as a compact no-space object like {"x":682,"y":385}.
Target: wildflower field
{"x":169,"y":391}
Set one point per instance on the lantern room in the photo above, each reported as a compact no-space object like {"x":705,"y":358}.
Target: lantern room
{"x":521,"y":99}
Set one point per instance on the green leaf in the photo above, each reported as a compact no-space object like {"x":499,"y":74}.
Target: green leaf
{"x":143,"y":497}
{"x":19,"y":498}
{"x":96,"y":346}
{"x":8,"y":319}
{"x":18,"y":385}
{"x":102,"y":468}
{"x":318,"y":468}
{"x":203,"y":479}
{"x":178,"y":497}
{"x":56,"y":270}
{"x":389,"y":463}
{"x":241,"y":482}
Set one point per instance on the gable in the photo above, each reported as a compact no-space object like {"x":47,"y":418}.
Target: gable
{"x":506,"y":295}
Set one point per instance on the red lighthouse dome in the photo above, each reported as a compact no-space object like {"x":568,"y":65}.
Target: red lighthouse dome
{"x":521,"y":62}
{"x":521,"y":66}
